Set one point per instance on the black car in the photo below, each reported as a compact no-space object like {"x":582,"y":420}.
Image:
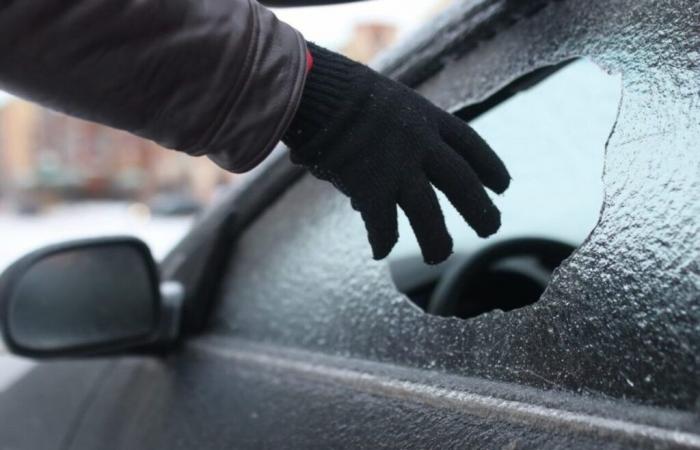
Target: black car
{"x":270,"y":326}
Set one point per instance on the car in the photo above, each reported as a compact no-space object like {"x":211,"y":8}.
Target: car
{"x":270,"y":326}
{"x":174,"y":204}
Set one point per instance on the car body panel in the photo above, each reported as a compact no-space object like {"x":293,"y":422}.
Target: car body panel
{"x":221,"y":393}
{"x":43,"y":409}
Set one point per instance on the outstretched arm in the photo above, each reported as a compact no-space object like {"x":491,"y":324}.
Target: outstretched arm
{"x":226,"y":79}
{"x":215,"y":77}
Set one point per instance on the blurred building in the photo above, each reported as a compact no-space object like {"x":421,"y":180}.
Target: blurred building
{"x":49,"y":156}
{"x":368,"y":39}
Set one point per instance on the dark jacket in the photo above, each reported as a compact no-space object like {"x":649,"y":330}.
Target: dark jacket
{"x":221,"y":78}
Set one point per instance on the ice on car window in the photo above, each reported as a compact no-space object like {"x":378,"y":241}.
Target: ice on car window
{"x":619,"y":319}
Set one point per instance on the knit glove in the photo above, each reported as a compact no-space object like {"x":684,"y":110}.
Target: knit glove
{"x":383,"y":145}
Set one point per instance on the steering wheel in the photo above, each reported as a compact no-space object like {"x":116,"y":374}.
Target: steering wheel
{"x":506,"y":275}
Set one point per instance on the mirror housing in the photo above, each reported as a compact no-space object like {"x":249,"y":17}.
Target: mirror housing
{"x":87,"y":297}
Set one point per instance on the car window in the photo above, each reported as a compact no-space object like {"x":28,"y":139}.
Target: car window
{"x":615,"y":320}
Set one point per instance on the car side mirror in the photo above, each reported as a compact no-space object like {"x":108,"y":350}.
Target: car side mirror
{"x":87,"y":297}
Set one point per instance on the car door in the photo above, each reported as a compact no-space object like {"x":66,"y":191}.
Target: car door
{"x":297,"y":339}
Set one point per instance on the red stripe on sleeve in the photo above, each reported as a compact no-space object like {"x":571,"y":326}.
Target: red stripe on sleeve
{"x":309,"y":61}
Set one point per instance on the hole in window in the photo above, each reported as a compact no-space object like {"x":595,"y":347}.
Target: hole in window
{"x":550,"y":129}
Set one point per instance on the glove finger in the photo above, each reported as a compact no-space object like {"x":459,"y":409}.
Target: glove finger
{"x":418,"y":200}
{"x":453,"y":176}
{"x":484,"y":161}
{"x":382,"y":227}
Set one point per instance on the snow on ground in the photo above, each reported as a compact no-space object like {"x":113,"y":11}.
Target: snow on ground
{"x":12,"y":369}
{"x":21,"y":234}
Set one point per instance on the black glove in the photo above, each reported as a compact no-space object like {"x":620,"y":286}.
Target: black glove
{"x":381,"y":144}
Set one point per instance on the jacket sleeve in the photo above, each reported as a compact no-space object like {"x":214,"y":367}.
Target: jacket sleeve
{"x":221,"y":78}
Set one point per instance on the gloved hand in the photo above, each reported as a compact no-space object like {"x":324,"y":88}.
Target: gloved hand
{"x":382,"y":144}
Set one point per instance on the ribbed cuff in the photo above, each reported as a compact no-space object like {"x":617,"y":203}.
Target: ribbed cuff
{"x":325,"y":96}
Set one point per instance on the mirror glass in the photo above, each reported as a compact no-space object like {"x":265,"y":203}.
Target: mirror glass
{"x":83,"y":296}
